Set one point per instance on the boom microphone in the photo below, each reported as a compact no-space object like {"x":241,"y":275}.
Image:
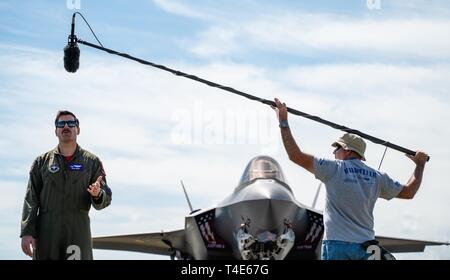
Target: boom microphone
{"x":71,"y":51}
{"x":72,"y":61}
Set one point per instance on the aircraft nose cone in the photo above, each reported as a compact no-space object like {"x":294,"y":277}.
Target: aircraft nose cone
{"x":266,"y":189}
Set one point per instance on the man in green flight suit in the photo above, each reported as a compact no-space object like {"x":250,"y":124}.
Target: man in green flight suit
{"x":63,"y":185}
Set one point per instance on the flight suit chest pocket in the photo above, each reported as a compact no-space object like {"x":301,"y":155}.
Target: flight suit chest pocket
{"x":78,"y":173}
{"x":52,"y":173}
{"x":79,"y":179}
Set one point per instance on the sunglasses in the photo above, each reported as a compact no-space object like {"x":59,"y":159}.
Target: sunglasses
{"x":337,"y":149}
{"x":61,"y":124}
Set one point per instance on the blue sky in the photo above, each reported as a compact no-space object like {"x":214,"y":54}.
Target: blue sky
{"x":383,"y":71}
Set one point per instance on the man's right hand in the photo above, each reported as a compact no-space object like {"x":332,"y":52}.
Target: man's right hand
{"x":281,"y":110}
{"x":28,"y":245}
{"x":420,"y":158}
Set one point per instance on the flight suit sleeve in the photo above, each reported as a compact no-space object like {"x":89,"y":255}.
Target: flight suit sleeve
{"x":105,"y":193}
{"x":31,"y":203}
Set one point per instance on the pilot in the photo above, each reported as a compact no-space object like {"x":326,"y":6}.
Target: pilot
{"x":62,"y":186}
{"x":352,"y":189}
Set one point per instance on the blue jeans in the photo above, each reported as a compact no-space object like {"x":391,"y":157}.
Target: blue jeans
{"x":341,"y":250}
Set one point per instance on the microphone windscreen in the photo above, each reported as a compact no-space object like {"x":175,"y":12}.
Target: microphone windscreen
{"x":71,"y":58}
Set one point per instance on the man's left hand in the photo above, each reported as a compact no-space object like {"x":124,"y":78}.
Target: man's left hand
{"x":94,"y":189}
{"x":420,"y":158}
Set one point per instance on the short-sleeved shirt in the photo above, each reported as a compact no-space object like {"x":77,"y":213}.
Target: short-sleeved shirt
{"x":352,"y":189}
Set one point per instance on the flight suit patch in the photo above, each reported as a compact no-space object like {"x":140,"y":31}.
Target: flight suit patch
{"x":75,"y":167}
{"x":53,"y":168}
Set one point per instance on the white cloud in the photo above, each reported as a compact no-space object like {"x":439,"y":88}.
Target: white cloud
{"x":300,"y":33}
{"x":129,"y":112}
{"x":180,"y":8}
{"x":435,"y":8}
{"x":217,"y":41}
{"x":406,"y":95}
{"x":126,"y":118}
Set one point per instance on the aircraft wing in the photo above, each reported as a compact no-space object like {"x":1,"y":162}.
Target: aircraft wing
{"x":154,"y":243}
{"x":397,"y":245}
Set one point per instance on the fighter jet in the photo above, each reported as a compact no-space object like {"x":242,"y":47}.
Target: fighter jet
{"x":260,"y":220}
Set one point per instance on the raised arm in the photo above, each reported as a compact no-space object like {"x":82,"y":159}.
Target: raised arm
{"x":295,"y":154}
{"x":412,"y":186}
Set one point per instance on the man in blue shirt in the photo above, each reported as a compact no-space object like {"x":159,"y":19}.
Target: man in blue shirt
{"x":352,"y":189}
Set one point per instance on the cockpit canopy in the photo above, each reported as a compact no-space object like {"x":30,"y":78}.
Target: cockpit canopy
{"x":262,"y":167}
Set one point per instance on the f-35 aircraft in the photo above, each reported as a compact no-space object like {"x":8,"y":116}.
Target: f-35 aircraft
{"x":261,"y":219}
